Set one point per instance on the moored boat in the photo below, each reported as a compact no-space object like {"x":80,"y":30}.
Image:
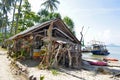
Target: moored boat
{"x":99,"y":48}
{"x":110,"y":59}
{"x":98,"y":63}
{"x":100,"y":52}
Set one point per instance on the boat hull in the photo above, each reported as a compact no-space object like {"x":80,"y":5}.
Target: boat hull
{"x":110,"y":59}
{"x":99,"y":52}
{"x":99,"y":63}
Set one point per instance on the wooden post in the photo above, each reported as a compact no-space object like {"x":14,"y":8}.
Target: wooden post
{"x":70,"y":58}
{"x":63,"y":59}
{"x":49,"y":34}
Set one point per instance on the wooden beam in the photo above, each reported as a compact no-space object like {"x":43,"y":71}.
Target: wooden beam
{"x":63,"y":33}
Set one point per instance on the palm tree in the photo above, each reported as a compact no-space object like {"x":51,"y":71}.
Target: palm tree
{"x":19,"y":10}
{"x":5,"y":8}
{"x":14,"y":7}
{"x":43,"y":14}
{"x":50,"y":5}
{"x":56,"y":15}
{"x":68,"y":21}
{"x":0,"y":22}
{"x":27,"y":18}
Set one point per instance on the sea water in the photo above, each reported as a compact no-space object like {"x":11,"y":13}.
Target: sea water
{"x":114,"y":53}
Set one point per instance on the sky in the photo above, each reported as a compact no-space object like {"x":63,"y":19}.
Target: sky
{"x":100,"y":18}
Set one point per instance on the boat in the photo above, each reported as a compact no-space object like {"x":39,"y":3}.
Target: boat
{"x":110,"y":59}
{"x":99,"y":48}
{"x":98,"y":63}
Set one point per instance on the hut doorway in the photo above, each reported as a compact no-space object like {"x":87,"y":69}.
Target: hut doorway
{"x":38,"y":43}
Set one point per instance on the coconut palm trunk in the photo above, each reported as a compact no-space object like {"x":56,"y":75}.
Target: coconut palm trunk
{"x":19,"y":9}
{"x":6,"y":17}
{"x":14,"y":5}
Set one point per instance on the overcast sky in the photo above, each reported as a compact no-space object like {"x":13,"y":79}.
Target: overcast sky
{"x":100,"y":18}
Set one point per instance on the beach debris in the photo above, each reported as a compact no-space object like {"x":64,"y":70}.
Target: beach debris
{"x":102,"y":70}
{"x":116,"y":75}
{"x":30,"y":78}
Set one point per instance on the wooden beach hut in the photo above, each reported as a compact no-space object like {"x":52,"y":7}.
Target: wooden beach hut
{"x":51,"y":41}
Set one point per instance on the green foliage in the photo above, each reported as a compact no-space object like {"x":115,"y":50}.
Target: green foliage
{"x":55,"y":72}
{"x":68,"y":21}
{"x":27,"y":18}
{"x":5,"y":7}
{"x":42,"y":66}
{"x":51,"y":5}
{"x":42,"y":77}
{"x":46,"y":16}
{"x":1,"y":37}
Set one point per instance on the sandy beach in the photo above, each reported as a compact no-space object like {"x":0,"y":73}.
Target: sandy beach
{"x":88,"y":72}
{"x":70,"y":74}
{"x":60,"y":74}
{"x":5,"y":69}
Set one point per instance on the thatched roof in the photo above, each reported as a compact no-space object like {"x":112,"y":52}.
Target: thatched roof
{"x":58,"y":23}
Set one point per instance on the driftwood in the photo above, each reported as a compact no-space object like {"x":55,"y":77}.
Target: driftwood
{"x":55,"y":62}
{"x":116,"y":75}
{"x":49,"y":34}
{"x":62,"y":53}
{"x":18,"y":69}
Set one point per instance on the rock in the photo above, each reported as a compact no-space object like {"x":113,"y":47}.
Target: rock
{"x":31,"y":77}
{"x":34,"y":78}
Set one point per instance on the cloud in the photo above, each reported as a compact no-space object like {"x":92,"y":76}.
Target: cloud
{"x":104,"y":36}
{"x":35,"y":4}
{"x":95,"y":11}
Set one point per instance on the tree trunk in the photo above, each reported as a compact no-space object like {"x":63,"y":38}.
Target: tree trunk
{"x":13,"y":17}
{"x":19,"y":9}
{"x":6,"y":25}
{"x":2,"y":27}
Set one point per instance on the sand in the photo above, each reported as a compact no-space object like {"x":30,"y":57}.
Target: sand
{"x":69,"y":75}
{"x":62,"y":73}
{"x":73,"y":74}
{"x":5,"y":71}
